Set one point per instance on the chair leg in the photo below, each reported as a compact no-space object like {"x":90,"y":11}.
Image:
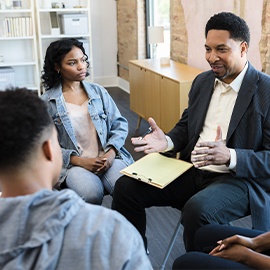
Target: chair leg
{"x":169,"y":249}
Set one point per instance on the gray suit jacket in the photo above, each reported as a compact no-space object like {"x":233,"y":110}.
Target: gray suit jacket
{"x":248,"y":134}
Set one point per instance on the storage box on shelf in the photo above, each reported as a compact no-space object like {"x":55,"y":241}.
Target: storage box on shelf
{"x":73,"y":24}
{"x":17,"y":34}
{"x":67,"y":19}
{"x":7,"y":78}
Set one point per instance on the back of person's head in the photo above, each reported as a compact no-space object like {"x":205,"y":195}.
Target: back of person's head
{"x":24,"y":123}
{"x":230,"y":22}
{"x":55,"y":53}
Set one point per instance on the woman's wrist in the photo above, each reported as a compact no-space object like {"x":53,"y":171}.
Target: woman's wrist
{"x":75,"y":160}
{"x":112,"y":151}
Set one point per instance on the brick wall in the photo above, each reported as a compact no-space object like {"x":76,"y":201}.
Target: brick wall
{"x":131,"y":33}
{"x":265,"y":38}
{"x":179,"y":35}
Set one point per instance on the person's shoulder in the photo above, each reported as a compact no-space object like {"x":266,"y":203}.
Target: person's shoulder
{"x":100,"y":212}
{"x":255,"y":75}
{"x":95,"y":89}
{"x":205,"y":74}
{"x":106,"y":220}
{"x":93,"y":86}
{"x":46,"y":95}
{"x":204,"y":77}
{"x":106,"y":229}
{"x":263,"y":75}
{"x":51,"y":93}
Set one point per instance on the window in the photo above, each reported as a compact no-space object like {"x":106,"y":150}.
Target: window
{"x":158,"y":14}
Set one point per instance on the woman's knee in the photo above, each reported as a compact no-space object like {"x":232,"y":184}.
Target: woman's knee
{"x":190,"y":260}
{"x":93,"y":197}
{"x":91,"y":193}
{"x":86,"y":184}
{"x":198,"y":260}
{"x":112,"y":175}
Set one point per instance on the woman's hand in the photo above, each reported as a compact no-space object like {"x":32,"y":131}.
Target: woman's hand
{"x":90,"y":164}
{"x":235,"y":252}
{"x":95,"y":165}
{"x":233,"y":240}
{"x":108,"y":159}
{"x":236,"y":248}
{"x":153,"y":142}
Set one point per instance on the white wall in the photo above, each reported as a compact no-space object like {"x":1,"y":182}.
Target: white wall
{"x":104,"y":41}
{"x":250,"y":10}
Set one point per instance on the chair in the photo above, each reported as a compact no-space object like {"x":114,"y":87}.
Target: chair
{"x":169,"y":249}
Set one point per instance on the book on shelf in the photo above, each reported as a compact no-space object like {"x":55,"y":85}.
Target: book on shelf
{"x":18,"y":26}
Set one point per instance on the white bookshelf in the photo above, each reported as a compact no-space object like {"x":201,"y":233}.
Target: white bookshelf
{"x":18,"y":49}
{"x":46,"y":35}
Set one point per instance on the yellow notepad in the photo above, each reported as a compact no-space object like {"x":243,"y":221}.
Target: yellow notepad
{"x":156,"y":169}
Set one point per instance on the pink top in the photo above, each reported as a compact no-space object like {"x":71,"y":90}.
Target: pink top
{"x":85,"y":131}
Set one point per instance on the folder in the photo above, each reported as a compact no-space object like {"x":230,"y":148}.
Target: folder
{"x":156,"y":169}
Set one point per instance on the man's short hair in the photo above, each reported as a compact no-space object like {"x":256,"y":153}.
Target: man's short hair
{"x":23,"y":120}
{"x":237,"y":27}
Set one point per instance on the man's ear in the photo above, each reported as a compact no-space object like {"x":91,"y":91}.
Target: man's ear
{"x":244,"y":48}
{"x":48,"y":150}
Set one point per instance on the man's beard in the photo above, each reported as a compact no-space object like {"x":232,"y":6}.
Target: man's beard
{"x":221,"y":77}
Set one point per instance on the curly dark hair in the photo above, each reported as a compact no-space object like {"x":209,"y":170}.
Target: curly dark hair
{"x":24,"y":121}
{"x":237,"y":27}
{"x":55,"y":53}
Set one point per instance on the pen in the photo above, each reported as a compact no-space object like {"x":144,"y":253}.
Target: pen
{"x":147,"y":132}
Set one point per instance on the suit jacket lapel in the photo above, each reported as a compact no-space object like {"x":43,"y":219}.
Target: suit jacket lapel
{"x":205,"y":97}
{"x":244,"y":98}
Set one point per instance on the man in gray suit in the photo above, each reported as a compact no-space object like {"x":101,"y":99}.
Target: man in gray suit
{"x":224,"y":132}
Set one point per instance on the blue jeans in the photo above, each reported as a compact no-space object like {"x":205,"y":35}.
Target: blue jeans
{"x":205,"y":240}
{"x":203,"y":197}
{"x":90,"y":186}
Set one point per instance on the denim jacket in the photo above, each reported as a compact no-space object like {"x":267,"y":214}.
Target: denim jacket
{"x":111,"y":126}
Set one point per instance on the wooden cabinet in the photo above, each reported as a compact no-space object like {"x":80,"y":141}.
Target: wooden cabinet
{"x":136,"y":97}
{"x":160,"y":91}
{"x":170,"y":98}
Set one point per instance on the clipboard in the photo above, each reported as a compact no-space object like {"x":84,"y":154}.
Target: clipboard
{"x":156,"y":169}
